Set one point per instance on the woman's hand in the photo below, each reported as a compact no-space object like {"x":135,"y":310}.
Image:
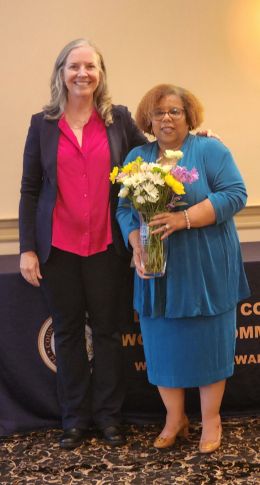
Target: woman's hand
{"x":134,"y":239}
{"x":30,"y":268}
{"x":209,"y":133}
{"x":168,"y":223}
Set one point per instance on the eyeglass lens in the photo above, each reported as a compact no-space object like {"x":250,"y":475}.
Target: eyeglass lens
{"x":173,"y":113}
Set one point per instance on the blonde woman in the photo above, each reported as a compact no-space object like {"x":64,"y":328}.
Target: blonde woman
{"x":70,"y":242}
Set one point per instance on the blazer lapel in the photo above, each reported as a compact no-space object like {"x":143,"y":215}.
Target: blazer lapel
{"x":115,"y":141}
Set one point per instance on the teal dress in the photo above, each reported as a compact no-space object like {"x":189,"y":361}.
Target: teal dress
{"x":188,"y":317}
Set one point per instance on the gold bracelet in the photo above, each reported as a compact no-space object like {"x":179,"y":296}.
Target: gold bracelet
{"x":188,"y":226}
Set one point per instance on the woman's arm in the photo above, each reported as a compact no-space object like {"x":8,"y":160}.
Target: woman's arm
{"x":227,"y":195}
{"x":228,"y":192}
{"x":30,"y":189}
{"x":199,"y":215}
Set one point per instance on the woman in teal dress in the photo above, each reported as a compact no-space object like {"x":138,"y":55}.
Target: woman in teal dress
{"x":188,"y":316}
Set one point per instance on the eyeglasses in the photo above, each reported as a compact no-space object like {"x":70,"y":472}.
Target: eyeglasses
{"x":174,"y":114}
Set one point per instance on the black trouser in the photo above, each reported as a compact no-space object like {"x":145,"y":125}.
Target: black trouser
{"x":72,"y":285}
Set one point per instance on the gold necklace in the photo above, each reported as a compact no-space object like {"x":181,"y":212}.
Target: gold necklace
{"x":77,"y":124}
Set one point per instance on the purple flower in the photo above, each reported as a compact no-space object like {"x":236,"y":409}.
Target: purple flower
{"x":182,"y":174}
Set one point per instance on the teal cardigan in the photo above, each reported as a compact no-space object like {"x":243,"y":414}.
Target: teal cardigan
{"x":205,"y":273}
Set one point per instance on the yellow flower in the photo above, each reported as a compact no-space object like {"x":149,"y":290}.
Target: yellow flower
{"x":133,"y":166}
{"x":127,"y":168}
{"x":113,"y":175}
{"x":176,"y":186}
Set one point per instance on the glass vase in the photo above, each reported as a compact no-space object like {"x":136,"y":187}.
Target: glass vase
{"x":153,"y":250}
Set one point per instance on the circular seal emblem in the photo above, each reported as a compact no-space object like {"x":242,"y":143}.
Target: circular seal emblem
{"x":46,"y":343}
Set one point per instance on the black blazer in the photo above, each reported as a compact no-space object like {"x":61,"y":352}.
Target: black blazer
{"x":39,"y":179}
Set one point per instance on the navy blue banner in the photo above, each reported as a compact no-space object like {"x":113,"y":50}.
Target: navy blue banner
{"x":28,"y":370}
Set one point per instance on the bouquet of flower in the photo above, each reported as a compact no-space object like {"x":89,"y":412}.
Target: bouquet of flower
{"x":153,"y":188}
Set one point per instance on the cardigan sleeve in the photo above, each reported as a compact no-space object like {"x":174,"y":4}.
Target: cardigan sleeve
{"x":228,"y":193}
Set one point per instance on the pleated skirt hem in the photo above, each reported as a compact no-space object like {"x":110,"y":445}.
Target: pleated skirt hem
{"x":171,"y":381}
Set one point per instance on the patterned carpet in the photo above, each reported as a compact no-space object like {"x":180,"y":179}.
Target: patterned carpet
{"x":36,"y":458}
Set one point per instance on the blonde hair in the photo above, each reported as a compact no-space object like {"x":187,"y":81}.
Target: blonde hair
{"x":192,"y":106}
{"x":102,"y":99}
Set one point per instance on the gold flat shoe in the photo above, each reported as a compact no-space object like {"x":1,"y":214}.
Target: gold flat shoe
{"x":167,"y":441}
{"x":210,"y":446}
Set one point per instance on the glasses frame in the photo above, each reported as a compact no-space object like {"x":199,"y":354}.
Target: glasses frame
{"x":171,"y":115}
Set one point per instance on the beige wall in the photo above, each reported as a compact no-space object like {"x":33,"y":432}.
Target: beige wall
{"x":211,"y":47}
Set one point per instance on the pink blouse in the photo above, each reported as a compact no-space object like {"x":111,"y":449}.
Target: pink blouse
{"x":81,"y":218}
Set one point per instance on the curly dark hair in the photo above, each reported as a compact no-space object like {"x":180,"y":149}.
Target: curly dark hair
{"x":192,"y":106}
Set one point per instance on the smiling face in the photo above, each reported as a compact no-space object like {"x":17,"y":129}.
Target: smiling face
{"x":170,"y":131}
{"x":81,"y":72}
